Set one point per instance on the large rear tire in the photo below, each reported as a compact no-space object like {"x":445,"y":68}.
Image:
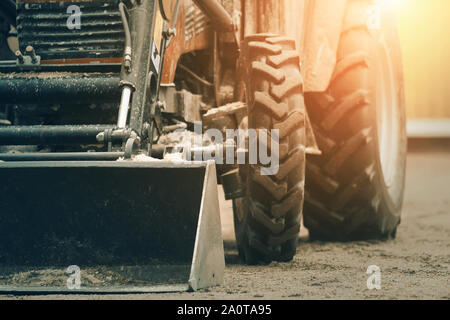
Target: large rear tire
{"x":355,"y":188}
{"x":267,"y":219}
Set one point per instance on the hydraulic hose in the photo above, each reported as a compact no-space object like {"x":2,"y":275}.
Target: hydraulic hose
{"x":126,"y":27}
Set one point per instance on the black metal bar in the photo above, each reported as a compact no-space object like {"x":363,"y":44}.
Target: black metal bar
{"x":51,"y":135}
{"x":58,"y":88}
{"x":66,"y":156}
{"x":9,"y":66}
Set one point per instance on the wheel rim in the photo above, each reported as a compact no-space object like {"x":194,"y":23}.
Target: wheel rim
{"x":387,"y":118}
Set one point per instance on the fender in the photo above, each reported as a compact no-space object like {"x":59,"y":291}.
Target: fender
{"x":315,"y":24}
{"x":324,"y":24}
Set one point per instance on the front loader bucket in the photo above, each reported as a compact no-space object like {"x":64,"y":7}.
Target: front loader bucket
{"x":130,"y":227}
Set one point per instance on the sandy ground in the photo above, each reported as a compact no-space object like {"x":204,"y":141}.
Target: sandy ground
{"x":413,"y":266}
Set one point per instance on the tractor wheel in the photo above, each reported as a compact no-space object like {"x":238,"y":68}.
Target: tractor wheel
{"x":355,"y":188}
{"x":267,"y":218}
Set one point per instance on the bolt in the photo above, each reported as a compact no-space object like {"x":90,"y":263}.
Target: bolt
{"x":171,"y":32}
{"x":30,"y":51}
{"x":146,"y":126}
{"x":20,"y":57}
{"x":100,"y":137}
{"x":127,"y":59}
{"x":127,"y":65}
{"x":161,"y":105}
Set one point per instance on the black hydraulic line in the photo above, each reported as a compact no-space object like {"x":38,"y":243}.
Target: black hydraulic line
{"x":51,"y":135}
{"x":126,"y":26}
{"x":65,"y":156}
{"x":162,"y":10}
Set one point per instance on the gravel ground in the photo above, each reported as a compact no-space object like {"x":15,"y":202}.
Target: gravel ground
{"x":413,"y":266}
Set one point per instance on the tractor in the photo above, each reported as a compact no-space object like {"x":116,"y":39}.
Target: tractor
{"x":100,"y":102}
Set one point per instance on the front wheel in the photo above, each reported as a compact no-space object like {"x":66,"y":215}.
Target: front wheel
{"x":267,"y":218}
